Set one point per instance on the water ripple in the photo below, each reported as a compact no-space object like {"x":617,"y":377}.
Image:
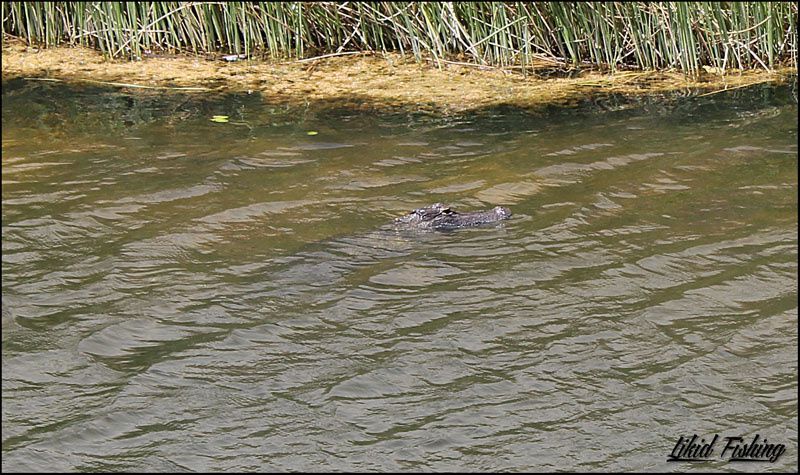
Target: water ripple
{"x":227,"y":299}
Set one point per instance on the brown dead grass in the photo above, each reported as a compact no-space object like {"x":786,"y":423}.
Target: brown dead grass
{"x":359,"y":81}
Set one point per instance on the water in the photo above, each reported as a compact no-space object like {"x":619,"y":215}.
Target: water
{"x":180,"y":294}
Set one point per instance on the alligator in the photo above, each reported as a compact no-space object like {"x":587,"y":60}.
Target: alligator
{"x":439,"y":216}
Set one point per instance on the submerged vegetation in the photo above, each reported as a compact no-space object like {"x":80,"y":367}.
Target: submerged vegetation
{"x":682,"y":35}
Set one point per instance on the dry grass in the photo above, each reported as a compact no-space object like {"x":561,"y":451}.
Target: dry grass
{"x":363,"y":81}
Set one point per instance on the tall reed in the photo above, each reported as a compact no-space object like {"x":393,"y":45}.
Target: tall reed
{"x":647,"y":35}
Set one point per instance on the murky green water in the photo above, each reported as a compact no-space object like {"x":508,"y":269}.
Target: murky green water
{"x":185,"y":295}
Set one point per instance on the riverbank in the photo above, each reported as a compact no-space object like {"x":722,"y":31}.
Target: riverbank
{"x":363,"y":80}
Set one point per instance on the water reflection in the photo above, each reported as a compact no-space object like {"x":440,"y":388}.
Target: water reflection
{"x":185,"y":295}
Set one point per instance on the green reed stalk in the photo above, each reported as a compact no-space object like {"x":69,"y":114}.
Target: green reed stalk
{"x":645,"y":35}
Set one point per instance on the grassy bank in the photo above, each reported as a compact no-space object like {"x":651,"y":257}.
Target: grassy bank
{"x":687,"y":36}
{"x":387,"y":81}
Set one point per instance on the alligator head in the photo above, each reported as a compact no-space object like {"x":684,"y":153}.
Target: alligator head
{"x":425,"y":217}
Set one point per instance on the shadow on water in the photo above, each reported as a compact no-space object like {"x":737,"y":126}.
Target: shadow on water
{"x":181,"y":294}
{"x":85,"y":107}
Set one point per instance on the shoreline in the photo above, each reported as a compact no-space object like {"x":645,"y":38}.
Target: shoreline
{"x":374,"y":81}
